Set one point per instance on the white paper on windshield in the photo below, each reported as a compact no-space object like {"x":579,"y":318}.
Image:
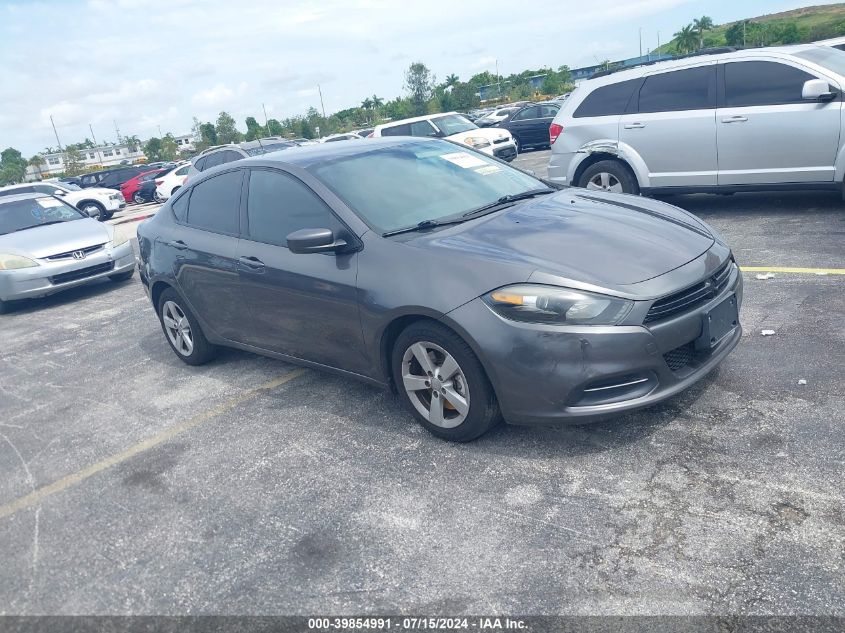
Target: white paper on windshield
{"x":488,"y":169}
{"x":47,"y":203}
{"x":462,"y":159}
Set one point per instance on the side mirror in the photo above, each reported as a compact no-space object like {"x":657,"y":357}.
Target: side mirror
{"x":314,"y":241}
{"x":817,"y":90}
{"x":58,"y":192}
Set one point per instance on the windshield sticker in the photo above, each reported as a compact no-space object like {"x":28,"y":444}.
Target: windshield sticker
{"x":48,"y":203}
{"x":488,"y":169}
{"x":462,"y":159}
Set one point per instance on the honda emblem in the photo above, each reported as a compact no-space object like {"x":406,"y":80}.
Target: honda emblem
{"x":79,"y":254}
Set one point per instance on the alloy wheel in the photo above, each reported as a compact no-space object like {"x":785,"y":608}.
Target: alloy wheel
{"x":178,"y":328}
{"x":435,"y":384}
{"x":605,"y":181}
{"x":138,"y":198}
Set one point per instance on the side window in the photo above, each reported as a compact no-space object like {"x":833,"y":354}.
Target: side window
{"x":422,"y":128}
{"x":180,"y":206}
{"x":182,"y":170}
{"x":690,"y":89}
{"x":607,"y":100}
{"x":200,"y":164}
{"x":548,"y":111}
{"x":214,"y":203}
{"x":213,"y":159}
{"x":279,"y":204}
{"x":397,"y":130}
{"x":528,"y":113}
{"x":230,"y":156}
{"x":763,"y":83}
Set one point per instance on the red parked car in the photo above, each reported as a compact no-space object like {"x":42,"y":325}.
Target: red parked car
{"x":130,"y":188}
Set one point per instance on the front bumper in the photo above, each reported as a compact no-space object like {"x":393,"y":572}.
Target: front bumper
{"x":50,"y":277}
{"x":557,"y":375}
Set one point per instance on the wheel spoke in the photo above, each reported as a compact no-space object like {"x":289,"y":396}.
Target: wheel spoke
{"x":448,"y":368}
{"x":435,"y":413}
{"x":605,"y":179}
{"x":617,"y":187}
{"x":189,"y":344}
{"x":421,"y":354}
{"x":593,"y":185}
{"x":414,"y":383}
{"x":170,"y":323}
{"x":456,"y":400}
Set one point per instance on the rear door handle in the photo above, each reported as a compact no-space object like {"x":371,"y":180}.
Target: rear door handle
{"x":178,"y":244}
{"x":634,"y":126}
{"x":735,"y":119}
{"x":251,"y":265}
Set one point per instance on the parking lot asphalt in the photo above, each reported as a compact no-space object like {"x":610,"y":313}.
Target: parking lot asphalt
{"x":131,"y":483}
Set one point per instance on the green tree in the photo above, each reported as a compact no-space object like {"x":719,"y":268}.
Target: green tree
{"x":275,"y":128}
{"x":702,"y":24}
{"x":12,"y":166}
{"x":686,"y":39}
{"x":377,"y":102}
{"x":169,"y":150}
{"x":152,"y":149}
{"x":37,"y":162}
{"x":419,"y":82}
{"x":464,"y":96}
{"x":133,"y":142}
{"x":74,"y":164}
{"x":208,"y":134}
{"x":451,"y":80}
{"x":735,"y":33}
{"x":254,"y":130}
{"x":227,"y":132}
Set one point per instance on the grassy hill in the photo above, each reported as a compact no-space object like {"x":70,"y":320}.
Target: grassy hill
{"x":797,"y":26}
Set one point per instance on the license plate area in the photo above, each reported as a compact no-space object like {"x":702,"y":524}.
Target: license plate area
{"x":717,"y":323}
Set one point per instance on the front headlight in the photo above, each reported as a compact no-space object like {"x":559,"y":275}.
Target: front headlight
{"x":476,"y":141}
{"x":118,"y":238}
{"x":557,"y":306}
{"x":13,"y":262}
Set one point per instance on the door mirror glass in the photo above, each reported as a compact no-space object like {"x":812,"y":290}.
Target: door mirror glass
{"x":58,"y":192}
{"x":313,"y":241}
{"x":816,"y":90}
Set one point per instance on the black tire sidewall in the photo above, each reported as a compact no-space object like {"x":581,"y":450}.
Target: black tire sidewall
{"x":483,"y":408}
{"x":619,"y":170}
{"x":203,"y":351}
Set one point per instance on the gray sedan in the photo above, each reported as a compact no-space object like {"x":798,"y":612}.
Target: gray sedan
{"x":47,"y":246}
{"x":473,"y":289}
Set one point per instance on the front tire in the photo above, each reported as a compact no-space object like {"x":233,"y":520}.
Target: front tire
{"x":442,"y":383}
{"x":519,"y":148}
{"x":183,"y":331}
{"x":95,"y":210}
{"x":609,"y":175}
{"x":137,"y":198}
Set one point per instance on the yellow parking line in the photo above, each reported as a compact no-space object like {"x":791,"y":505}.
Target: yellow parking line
{"x":38,"y":495}
{"x":787,"y":269}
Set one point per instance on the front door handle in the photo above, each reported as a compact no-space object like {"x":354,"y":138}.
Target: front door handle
{"x":178,"y":244}
{"x":634,"y":126}
{"x":735,"y":119}
{"x":251,"y":264}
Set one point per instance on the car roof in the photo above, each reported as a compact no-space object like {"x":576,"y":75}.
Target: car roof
{"x":783,"y":52}
{"x":23,"y":196}
{"x":425,"y":117}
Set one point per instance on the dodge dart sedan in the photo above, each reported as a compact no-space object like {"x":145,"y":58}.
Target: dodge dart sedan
{"x":474,"y":290}
{"x":47,"y":246}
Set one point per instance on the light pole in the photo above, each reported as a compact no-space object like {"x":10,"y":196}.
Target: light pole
{"x":266,"y":122}
{"x":322,"y":107}
{"x":94,"y":138}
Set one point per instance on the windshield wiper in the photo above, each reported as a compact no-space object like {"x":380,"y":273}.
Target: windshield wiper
{"x":507,"y":200}
{"x":421,"y":226}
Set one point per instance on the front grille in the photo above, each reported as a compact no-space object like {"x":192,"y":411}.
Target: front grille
{"x":82,"y":273}
{"x":500,"y":140}
{"x":680,"y":357}
{"x":691,"y":297}
{"x":69,"y":254}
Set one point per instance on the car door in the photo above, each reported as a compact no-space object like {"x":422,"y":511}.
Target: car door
{"x":548,"y":112}
{"x":523,"y":126}
{"x":672,"y":128}
{"x":205,"y":246}
{"x":303,"y":305}
{"x":767,"y":133}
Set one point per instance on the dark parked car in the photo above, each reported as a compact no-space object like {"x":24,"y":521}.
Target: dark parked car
{"x":472,"y":288}
{"x":110,"y":178}
{"x":529,"y":125}
{"x":147,"y":186}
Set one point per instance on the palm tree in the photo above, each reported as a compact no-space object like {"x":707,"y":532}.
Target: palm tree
{"x":704,"y":23}
{"x":451,"y":80}
{"x":367,"y":103}
{"x":686,"y":39}
{"x":377,"y":102}
{"x":36,"y":161}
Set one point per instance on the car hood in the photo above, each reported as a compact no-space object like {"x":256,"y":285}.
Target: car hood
{"x":596,"y":238}
{"x":43,"y":241}
{"x":490,"y":133}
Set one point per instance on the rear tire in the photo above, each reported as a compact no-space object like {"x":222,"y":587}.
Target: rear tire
{"x":182,"y":330}
{"x":610,"y":175}
{"x":448,"y":391}
{"x":137,"y":198}
{"x":4,"y":306}
{"x":519,"y":149}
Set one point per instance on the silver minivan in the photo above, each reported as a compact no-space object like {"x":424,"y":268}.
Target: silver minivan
{"x":738,"y":121}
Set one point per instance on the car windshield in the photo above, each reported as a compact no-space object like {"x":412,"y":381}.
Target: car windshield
{"x":18,"y":215}
{"x":825,"y":56}
{"x":401,"y":185}
{"x":454,"y":124}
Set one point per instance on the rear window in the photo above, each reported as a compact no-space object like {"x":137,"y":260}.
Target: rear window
{"x":607,"y":100}
{"x":690,"y":89}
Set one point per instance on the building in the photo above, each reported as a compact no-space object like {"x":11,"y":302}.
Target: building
{"x":92,"y":159}
{"x":185,"y":142}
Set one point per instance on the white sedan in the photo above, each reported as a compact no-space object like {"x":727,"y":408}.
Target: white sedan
{"x":170,"y":182}
{"x":97,"y":202}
